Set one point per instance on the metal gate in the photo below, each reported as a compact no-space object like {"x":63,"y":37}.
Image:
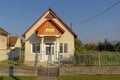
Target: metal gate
{"x":48,"y":72}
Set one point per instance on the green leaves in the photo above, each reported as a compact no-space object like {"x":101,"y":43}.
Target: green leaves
{"x":79,"y":48}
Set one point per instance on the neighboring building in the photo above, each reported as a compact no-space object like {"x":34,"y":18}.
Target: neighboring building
{"x":14,"y":42}
{"x":14,"y":47}
{"x":3,"y":43}
{"x":50,"y":37}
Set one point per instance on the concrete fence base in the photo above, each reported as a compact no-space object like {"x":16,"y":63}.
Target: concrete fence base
{"x":18,"y":71}
{"x":63,"y":71}
{"x":66,"y":71}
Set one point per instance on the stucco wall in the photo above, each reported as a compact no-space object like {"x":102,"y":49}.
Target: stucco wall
{"x":3,"y":48}
{"x":18,"y":43}
{"x":3,"y":42}
{"x":29,"y":56}
{"x":67,"y":37}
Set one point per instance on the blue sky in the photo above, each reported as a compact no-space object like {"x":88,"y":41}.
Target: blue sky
{"x":16,"y":16}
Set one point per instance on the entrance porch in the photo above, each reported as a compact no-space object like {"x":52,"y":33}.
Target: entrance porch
{"x":49,"y":48}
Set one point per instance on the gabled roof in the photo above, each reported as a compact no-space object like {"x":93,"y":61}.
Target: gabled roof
{"x":3,"y":32}
{"x":52,"y":14}
{"x":13,"y":40}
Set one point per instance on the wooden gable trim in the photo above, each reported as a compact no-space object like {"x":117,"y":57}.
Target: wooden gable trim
{"x":51,"y":11}
{"x":34,"y":23}
{"x":50,"y":15}
{"x":69,"y":29}
{"x":56,"y":25}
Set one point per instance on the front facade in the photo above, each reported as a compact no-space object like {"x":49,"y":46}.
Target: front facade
{"x":48,"y":39}
{"x":3,"y":43}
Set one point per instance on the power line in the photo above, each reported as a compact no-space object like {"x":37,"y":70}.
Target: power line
{"x":101,"y":13}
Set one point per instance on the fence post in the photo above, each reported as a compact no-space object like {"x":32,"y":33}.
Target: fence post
{"x":59,"y":64}
{"x":11,"y":71}
{"x":99,"y":60}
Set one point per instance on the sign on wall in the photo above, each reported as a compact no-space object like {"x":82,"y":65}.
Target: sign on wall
{"x":49,"y":30}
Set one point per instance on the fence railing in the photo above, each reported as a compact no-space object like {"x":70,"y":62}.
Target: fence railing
{"x":11,"y":57}
{"x":17,"y":58}
{"x":97,"y":59}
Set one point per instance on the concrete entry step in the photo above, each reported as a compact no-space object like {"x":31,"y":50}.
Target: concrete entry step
{"x":47,"y":78}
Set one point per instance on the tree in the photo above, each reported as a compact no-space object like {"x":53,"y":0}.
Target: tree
{"x":91,"y":46}
{"x":105,"y":46}
{"x":117,"y":47}
{"x":100,"y":47}
{"x":79,"y":48}
{"x":108,"y":46}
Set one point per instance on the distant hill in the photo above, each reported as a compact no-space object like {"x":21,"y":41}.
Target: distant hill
{"x":115,"y":42}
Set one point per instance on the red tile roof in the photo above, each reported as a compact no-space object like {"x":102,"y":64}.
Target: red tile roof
{"x":13,"y":40}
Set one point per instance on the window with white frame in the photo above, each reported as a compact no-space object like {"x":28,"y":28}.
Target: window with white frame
{"x":36,"y":47}
{"x":63,"y":48}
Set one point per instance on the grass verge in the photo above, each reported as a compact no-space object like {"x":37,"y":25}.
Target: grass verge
{"x":18,"y":78}
{"x":91,"y":77}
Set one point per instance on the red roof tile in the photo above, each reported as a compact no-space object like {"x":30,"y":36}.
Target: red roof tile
{"x":13,"y":40}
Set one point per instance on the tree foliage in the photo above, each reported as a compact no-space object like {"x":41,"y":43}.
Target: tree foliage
{"x":105,"y":46}
{"x":101,"y":46}
{"x":79,"y":48}
{"x":91,"y":46}
{"x":117,"y":47}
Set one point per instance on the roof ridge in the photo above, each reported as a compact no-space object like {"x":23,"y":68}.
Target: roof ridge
{"x":51,"y":10}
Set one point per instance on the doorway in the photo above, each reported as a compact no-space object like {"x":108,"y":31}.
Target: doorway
{"x":49,"y":56}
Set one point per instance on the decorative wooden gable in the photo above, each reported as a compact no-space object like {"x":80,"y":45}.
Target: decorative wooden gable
{"x":49,"y":27}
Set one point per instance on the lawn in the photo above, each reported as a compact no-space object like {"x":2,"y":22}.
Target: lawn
{"x":18,"y":78}
{"x":91,"y":77}
{"x":81,"y":77}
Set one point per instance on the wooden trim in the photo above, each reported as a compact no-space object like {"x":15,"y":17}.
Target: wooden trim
{"x":34,"y":24}
{"x":58,"y":29}
{"x":64,"y":23}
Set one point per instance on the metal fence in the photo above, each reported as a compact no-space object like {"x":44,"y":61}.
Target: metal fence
{"x":11,"y":57}
{"x":13,"y":63}
{"x":84,"y":59}
{"x":97,"y":59}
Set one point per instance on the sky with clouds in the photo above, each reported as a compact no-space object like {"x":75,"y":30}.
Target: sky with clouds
{"x":16,"y":16}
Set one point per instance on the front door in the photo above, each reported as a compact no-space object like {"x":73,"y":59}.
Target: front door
{"x":49,"y":51}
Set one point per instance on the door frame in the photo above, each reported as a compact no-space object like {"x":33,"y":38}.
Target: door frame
{"x":50,"y":56}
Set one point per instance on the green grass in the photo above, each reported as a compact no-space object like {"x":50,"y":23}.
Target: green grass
{"x":91,"y":77}
{"x":81,"y":77}
{"x":18,"y":78}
